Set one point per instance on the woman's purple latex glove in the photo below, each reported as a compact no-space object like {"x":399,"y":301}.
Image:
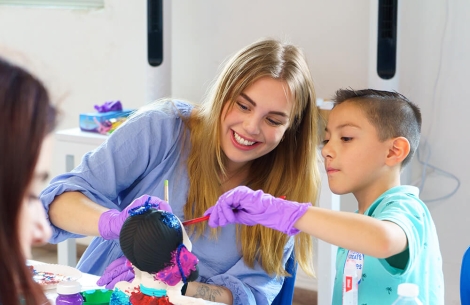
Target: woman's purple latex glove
{"x":119,"y":270}
{"x":111,"y":221}
{"x":244,"y":206}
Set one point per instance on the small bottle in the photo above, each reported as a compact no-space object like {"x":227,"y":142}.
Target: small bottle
{"x":69,"y":293}
{"x":350,"y":283}
{"x":408,"y":295}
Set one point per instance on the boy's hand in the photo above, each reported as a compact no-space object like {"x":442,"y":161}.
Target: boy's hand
{"x":111,"y":221}
{"x":244,"y":206}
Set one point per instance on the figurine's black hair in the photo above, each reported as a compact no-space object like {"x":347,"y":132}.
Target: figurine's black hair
{"x":148,"y":240}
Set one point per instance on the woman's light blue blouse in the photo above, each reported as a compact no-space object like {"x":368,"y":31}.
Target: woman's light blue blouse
{"x":136,"y":159}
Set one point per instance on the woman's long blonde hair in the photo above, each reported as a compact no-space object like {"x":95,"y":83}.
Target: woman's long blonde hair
{"x":290,"y":169}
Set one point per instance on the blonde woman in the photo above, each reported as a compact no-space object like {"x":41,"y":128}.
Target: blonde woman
{"x":257,"y":127}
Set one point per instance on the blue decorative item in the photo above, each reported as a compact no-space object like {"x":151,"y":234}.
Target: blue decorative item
{"x":143,"y":208}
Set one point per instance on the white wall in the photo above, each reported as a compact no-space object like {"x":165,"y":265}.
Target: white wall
{"x":436,"y":71}
{"x":333,"y":35}
{"x":86,"y":57}
{"x":93,"y":56}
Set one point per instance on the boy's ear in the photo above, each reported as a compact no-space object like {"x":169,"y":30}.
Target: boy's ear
{"x":398,"y":151}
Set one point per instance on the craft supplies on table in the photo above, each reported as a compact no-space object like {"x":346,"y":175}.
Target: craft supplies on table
{"x":68,"y":293}
{"x":88,"y":285}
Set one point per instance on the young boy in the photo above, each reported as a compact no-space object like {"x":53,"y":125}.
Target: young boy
{"x":370,"y":136}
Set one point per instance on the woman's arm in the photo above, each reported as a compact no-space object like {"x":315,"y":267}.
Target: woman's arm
{"x":209,"y":292}
{"x":104,"y":179}
{"x":76,"y":213}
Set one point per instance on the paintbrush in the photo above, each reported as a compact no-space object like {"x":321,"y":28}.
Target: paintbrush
{"x":196,"y":220}
{"x":165,"y":189}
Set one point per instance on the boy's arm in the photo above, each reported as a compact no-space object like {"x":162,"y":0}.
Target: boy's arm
{"x":351,"y":231}
{"x":357,"y":232}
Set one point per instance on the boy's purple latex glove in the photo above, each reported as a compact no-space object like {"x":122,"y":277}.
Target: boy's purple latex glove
{"x":119,"y":270}
{"x":244,"y":206}
{"x":111,"y":221}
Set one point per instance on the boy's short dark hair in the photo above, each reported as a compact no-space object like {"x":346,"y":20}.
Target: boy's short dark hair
{"x":391,"y":113}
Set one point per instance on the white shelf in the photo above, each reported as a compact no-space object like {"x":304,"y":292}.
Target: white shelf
{"x":324,"y":253}
{"x":76,"y":135}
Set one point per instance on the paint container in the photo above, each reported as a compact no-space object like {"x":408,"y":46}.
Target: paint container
{"x":69,"y":293}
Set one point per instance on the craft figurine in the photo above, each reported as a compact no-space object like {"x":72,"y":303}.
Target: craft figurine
{"x":156,"y":245}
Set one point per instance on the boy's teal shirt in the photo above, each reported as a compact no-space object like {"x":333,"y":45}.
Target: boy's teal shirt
{"x":420,"y":263}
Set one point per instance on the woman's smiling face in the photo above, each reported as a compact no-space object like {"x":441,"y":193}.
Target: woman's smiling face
{"x":256,"y":122}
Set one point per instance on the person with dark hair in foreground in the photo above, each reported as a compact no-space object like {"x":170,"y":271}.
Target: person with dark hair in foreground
{"x":26,"y":120}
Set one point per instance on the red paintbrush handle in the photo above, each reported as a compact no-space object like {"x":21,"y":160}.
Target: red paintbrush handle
{"x":195,"y":220}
